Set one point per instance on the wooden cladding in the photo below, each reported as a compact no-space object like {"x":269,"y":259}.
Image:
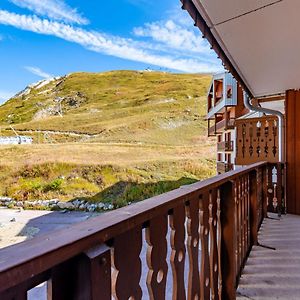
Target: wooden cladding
{"x":190,"y":243}
{"x":257,"y":140}
{"x":293,"y":151}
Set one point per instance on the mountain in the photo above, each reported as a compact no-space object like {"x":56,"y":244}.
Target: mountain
{"x":113,"y":137}
{"x":120,"y":106}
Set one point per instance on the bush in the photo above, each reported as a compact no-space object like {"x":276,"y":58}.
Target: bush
{"x":54,"y":185}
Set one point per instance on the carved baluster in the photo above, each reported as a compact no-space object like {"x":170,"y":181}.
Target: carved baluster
{"x":279,"y":188}
{"x":248,"y":213}
{"x":204,"y":229}
{"x":219,"y":233}
{"x":213,"y":245}
{"x":192,"y":212}
{"x":236,"y":215}
{"x":156,"y":257}
{"x":247,"y":229}
{"x":243,"y":198}
{"x":177,"y":222}
{"x":127,"y":265}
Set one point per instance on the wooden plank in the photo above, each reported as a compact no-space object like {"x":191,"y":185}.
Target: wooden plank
{"x":21,"y":290}
{"x":157,"y":249}
{"x":219,"y":233}
{"x":229,"y":245}
{"x":253,"y":208}
{"x":177,"y":259}
{"x":94,"y":275}
{"x":204,"y":234}
{"x":213,"y":253}
{"x":192,"y":212}
{"x":63,"y":280}
{"x":292,"y":153}
{"x":127,"y":265}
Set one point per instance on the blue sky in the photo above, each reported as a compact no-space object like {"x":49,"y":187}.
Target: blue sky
{"x":46,"y":38}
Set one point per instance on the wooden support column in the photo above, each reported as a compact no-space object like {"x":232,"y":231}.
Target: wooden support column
{"x":293,"y":151}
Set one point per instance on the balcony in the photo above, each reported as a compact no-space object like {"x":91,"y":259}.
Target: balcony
{"x":142,"y":250}
{"x":225,"y":146}
{"x":220,"y":126}
{"x":223,"y":167}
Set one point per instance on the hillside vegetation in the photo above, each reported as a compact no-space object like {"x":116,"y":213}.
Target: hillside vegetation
{"x":115,"y":137}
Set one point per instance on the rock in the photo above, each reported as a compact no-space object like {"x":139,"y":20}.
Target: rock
{"x":82,"y":207}
{"x":77,"y":203}
{"x":100,"y":205}
{"x":53,"y":201}
{"x":65,"y":205}
{"x":12,"y":220}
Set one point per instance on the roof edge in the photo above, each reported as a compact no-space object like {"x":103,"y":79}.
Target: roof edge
{"x":200,"y":22}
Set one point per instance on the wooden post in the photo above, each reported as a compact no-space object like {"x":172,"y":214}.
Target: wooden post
{"x":229,"y":242}
{"x":87,"y":276}
{"x":94,"y":274}
{"x":253,"y":208}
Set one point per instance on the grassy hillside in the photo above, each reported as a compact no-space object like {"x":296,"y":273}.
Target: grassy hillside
{"x":116,"y":136}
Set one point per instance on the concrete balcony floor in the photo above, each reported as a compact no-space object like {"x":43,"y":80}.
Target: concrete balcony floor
{"x":274,"y":274}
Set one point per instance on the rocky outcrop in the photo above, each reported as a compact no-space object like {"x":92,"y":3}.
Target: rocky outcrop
{"x":55,"y":204}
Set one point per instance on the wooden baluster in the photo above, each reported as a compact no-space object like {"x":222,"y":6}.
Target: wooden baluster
{"x":177,"y":222}
{"x":219,"y":233}
{"x":253,"y":208}
{"x":238,"y":227}
{"x":156,"y":257}
{"x":127,"y":265}
{"x":270,"y":191}
{"x":229,"y":241}
{"x":87,"y":276}
{"x":259,"y":198}
{"x":213,"y":253}
{"x":247,"y":213}
{"x":243,"y":254}
{"x":265,"y":191}
{"x":192,"y":212}
{"x":279,"y":188}
{"x":204,"y":230}
{"x":62,"y":282}
{"x":94,"y":274}
{"x":244,"y":218}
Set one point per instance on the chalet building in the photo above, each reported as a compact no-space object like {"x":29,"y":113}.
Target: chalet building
{"x":224,"y":105}
{"x":243,"y":136}
{"x":196,"y":242}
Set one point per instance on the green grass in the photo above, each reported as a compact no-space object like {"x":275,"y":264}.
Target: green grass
{"x":138,"y":134}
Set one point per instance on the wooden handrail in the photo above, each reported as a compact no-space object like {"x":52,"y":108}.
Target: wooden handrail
{"x":82,"y":246}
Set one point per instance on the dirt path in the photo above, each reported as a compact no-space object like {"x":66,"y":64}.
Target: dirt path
{"x":16,"y":226}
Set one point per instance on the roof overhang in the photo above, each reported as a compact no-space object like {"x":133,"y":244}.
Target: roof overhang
{"x":258,"y":40}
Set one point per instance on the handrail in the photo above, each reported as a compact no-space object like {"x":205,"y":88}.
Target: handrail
{"x":39,"y":256}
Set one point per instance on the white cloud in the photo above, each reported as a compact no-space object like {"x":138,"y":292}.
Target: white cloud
{"x":37,"y":71}
{"x":54,"y":9}
{"x":174,"y":36}
{"x":111,"y":45}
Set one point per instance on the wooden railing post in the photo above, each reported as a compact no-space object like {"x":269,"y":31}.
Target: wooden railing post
{"x":228,"y":243}
{"x":87,"y":276}
{"x":94,"y":274}
{"x":253,"y":208}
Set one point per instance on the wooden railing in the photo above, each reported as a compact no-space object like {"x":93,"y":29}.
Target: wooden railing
{"x":223,"y":167}
{"x":226,"y":146}
{"x":196,"y":241}
{"x":218,"y":127}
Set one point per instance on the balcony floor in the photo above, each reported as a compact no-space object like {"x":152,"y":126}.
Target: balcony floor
{"x":274,"y":274}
